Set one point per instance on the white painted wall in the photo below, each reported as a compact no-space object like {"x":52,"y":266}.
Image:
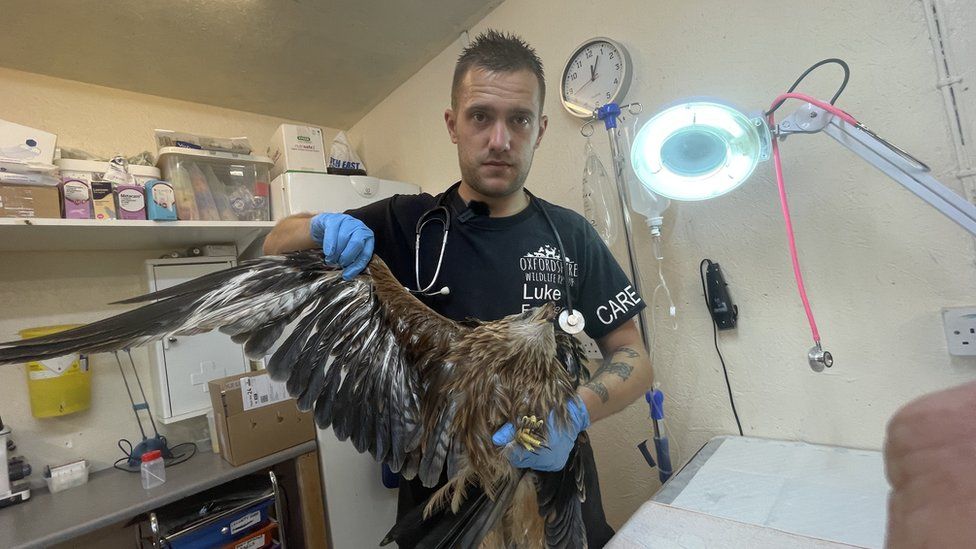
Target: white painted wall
{"x":38,"y":289}
{"x":879,"y":264}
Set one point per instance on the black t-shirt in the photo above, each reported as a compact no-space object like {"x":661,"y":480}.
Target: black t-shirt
{"x":497,"y":266}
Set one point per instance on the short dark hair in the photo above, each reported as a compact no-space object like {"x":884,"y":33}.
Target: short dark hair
{"x":496,"y":51}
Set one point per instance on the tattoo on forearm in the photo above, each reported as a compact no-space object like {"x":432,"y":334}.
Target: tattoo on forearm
{"x":618,"y":368}
{"x":600,"y":389}
{"x":629,"y":352}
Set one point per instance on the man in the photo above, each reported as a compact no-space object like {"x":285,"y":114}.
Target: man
{"x":502,"y":255}
{"x":930,"y":460}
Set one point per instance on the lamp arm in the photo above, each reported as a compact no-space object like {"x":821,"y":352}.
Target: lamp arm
{"x":903,"y":168}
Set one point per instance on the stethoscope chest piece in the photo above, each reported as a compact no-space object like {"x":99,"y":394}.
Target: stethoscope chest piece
{"x":571,"y":323}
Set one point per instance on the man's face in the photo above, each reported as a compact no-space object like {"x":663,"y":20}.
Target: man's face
{"x":496,"y":126}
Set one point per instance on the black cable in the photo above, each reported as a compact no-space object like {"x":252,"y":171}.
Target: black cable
{"x":840,"y":90}
{"x":725,"y":370}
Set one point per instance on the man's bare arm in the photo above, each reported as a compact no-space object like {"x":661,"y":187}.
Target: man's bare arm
{"x":622,"y":378}
{"x":290,"y":234}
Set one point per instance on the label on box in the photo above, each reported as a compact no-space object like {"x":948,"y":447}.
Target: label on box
{"x":76,"y":191}
{"x":163,"y":195}
{"x":131,"y":200}
{"x":53,"y":367}
{"x":257,"y":391}
{"x":247,"y":520}
{"x":253,"y":543}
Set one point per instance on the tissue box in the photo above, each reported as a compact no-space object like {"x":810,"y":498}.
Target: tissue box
{"x":296,"y":148}
{"x":24,"y":144}
{"x":217,"y":186}
{"x":255,"y":417}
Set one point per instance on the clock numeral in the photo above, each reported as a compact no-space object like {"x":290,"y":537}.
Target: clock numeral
{"x":617,"y":65}
{"x":611,"y":54}
{"x":616,"y":80}
{"x":589,"y":53}
{"x":579,"y":64}
{"x":573,"y":76}
{"x":608,"y":95}
{"x":570,"y":91}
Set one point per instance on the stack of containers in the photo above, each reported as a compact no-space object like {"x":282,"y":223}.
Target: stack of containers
{"x":113,"y":190}
{"x":28,"y":181}
{"x":217,"y":186}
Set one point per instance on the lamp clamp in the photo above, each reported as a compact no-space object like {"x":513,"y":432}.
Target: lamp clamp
{"x":806,"y":119}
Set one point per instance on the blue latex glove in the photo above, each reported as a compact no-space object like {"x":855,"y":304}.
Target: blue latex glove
{"x":346,"y":241}
{"x":560,"y":441}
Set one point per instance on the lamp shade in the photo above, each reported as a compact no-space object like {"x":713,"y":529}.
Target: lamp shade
{"x":698,"y":150}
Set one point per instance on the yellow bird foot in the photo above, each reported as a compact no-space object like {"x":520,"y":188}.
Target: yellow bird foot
{"x":530,"y":433}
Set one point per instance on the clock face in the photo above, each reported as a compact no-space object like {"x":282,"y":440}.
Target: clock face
{"x":597,"y":73}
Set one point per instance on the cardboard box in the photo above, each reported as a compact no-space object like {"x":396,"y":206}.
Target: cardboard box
{"x":29,"y":201}
{"x":25,"y":144}
{"x":296,"y":148}
{"x":103,"y":200}
{"x":255,"y":417}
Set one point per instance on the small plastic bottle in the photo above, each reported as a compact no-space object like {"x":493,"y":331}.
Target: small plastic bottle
{"x":153,"y":469}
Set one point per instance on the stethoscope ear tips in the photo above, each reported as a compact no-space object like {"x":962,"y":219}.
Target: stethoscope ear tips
{"x":571,"y":322}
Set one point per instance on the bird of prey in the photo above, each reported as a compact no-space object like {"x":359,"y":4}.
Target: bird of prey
{"x":415,"y":390}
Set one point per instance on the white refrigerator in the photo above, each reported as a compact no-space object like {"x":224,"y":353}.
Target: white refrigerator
{"x":296,"y":192}
{"x":360,"y":509}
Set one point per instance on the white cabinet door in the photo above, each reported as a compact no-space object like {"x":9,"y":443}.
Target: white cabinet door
{"x":185,"y":364}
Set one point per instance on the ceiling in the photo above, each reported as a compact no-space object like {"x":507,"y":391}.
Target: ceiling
{"x":326,"y":62}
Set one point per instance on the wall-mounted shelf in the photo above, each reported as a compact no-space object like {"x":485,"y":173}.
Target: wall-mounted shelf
{"x":88,"y":234}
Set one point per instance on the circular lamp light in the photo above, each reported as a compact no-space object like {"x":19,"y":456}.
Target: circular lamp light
{"x":698,"y":150}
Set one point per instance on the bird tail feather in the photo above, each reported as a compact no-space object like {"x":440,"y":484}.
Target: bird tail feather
{"x":445,"y":528}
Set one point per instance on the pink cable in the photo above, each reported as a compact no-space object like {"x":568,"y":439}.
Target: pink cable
{"x":785,"y":205}
{"x":822,"y":104}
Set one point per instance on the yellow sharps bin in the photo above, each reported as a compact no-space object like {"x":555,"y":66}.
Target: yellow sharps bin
{"x":57,"y":386}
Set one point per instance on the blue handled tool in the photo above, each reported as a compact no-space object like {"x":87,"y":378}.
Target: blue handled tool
{"x":655,"y":400}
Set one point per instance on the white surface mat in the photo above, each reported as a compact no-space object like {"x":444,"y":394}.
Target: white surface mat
{"x":824,"y":492}
{"x":660,"y":526}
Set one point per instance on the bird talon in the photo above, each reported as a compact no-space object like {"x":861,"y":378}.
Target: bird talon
{"x":529,"y":433}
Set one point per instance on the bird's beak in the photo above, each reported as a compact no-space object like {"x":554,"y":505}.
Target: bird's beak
{"x":548,"y":312}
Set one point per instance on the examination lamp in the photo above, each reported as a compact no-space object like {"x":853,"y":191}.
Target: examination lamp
{"x":701,"y":149}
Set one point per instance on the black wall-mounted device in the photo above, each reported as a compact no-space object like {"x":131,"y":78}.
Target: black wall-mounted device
{"x":720,"y":305}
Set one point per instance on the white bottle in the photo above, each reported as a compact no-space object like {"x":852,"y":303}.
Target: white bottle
{"x":153,"y":469}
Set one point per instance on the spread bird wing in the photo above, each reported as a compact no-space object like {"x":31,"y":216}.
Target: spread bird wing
{"x":361,"y":352}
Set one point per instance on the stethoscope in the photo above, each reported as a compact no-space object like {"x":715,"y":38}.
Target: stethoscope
{"x":570,"y":320}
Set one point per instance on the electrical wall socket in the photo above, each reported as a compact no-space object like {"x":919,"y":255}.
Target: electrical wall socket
{"x":960,"y":330}
{"x":590,"y":347}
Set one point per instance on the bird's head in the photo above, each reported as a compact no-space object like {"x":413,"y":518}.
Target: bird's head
{"x":543,"y":313}
{"x":534,"y":329}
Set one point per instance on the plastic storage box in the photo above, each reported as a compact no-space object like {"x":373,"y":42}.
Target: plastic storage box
{"x":217,"y":186}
